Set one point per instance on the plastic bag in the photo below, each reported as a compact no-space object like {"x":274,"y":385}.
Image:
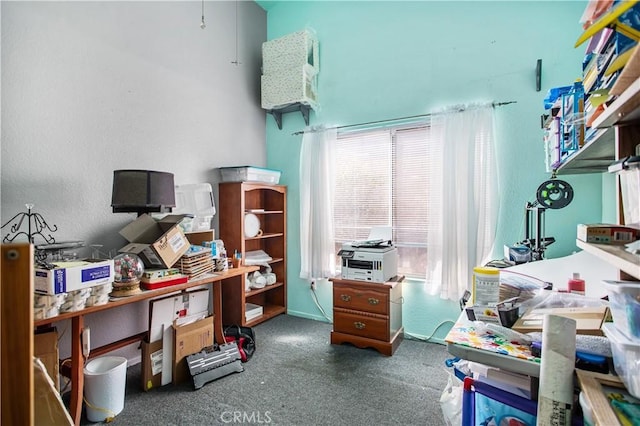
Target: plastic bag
{"x":451,"y":401}
{"x":553,"y":299}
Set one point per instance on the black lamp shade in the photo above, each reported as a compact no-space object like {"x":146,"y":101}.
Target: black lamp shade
{"x":142,"y":191}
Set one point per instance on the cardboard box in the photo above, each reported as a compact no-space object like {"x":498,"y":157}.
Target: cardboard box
{"x":73,"y":275}
{"x":45,"y":347}
{"x":190,"y":339}
{"x":602,"y":233}
{"x":151,"y":364}
{"x":588,"y":320}
{"x":159,"y":243}
{"x":198,"y":237}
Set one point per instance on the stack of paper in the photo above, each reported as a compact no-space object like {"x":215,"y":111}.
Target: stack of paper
{"x":252,"y":311}
{"x":196,"y":262}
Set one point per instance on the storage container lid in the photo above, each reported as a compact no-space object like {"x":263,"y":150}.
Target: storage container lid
{"x":620,"y":286}
{"x":616,"y":337}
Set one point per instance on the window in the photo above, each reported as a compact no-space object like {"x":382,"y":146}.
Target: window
{"x":381,"y":180}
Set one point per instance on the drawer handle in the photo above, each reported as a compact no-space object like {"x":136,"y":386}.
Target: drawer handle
{"x":359,"y":325}
{"x":373,"y":301}
{"x":345,"y":297}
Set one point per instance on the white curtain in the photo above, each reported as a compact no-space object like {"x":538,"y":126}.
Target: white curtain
{"x":317,"y":188}
{"x":463,"y":197}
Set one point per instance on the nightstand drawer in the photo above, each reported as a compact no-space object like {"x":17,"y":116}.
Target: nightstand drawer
{"x":351,"y":297}
{"x":360,"y":325}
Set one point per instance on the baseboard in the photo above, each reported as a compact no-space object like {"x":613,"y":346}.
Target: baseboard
{"x":308,"y":316}
{"x":134,"y":360}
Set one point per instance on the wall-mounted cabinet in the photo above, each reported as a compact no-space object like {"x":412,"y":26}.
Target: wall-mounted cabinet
{"x":267,"y":203}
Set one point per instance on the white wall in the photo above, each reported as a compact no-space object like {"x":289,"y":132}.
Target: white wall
{"x":90,"y":87}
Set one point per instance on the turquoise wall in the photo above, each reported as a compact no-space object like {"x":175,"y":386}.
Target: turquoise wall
{"x":388,"y":59}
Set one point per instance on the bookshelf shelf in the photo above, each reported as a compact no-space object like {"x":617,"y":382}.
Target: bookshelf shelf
{"x":269,"y":202}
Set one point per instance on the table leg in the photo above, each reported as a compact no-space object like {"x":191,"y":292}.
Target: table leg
{"x":217,"y":313}
{"x":77,"y":366}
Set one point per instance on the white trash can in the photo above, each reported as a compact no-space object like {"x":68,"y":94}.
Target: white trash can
{"x":105,"y":380}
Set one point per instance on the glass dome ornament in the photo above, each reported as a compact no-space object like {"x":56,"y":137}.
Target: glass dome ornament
{"x":128,"y":268}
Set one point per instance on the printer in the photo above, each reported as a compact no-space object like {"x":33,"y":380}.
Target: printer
{"x":370,"y":260}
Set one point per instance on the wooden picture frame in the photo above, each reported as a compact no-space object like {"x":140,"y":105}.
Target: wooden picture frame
{"x":591,"y":385}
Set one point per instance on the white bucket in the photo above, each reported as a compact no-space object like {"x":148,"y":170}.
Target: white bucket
{"x":105,"y":379}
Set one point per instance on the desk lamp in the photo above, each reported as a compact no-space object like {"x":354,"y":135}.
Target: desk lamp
{"x":142,"y":191}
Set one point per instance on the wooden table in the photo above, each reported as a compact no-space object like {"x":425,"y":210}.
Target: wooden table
{"x":77,"y":325}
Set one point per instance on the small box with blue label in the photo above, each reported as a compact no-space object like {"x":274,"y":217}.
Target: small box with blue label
{"x":74,"y":275}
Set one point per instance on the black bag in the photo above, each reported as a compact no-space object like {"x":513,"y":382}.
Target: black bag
{"x":245,"y":339}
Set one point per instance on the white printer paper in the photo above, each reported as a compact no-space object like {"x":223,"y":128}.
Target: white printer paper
{"x":381,"y":233}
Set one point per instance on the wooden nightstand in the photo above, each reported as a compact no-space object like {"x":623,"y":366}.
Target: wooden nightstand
{"x":368,"y":315}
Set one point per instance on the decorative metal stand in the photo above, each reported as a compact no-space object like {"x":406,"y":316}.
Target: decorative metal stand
{"x":36,"y":227}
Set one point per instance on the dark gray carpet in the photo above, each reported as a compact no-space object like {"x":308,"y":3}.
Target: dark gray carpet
{"x":297,"y":377}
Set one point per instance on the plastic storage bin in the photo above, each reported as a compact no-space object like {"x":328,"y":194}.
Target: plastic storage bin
{"x":196,"y":199}
{"x":290,"y":86}
{"x":290,"y":51}
{"x":105,"y":380}
{"x":249,"y":174}
{"x":624,"y":303}
{"x":626,"y":358}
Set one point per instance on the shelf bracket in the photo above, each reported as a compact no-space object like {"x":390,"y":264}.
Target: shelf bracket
{"x":277,"y":113}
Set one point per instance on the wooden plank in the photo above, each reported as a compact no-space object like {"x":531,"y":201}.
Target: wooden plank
{"x":591,"y":386}
{"x":629,"y":74}
{"x":16,"y":306}
{"x":615,"y":255}
{"x":625,"y":109}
